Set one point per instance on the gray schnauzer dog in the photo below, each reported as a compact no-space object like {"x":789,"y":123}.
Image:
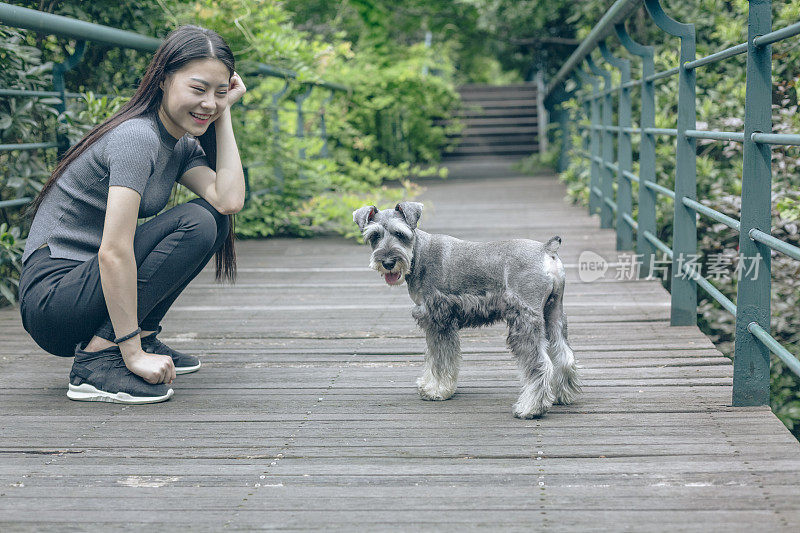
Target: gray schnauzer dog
{"x":457,"y":284}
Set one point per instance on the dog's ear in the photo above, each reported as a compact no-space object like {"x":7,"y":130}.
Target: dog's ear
{"x":411,"y":211}
{"x":364,"y":215}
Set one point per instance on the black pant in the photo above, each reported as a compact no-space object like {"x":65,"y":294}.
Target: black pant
{"x":62,"y":302}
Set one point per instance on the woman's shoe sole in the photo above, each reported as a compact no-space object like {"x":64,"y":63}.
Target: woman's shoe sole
{"x":187,"y":369}
{"x":88,"y":393}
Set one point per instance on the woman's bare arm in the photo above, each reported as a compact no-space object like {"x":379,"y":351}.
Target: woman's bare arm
{"x":223,"y":189}
{"x":118,"y":278}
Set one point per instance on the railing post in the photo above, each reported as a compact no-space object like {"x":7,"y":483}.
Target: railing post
{"x":556,"y":103}
{"x":586,"y":104}
{"x":624,"y":156}
{"x":594,"y":144}
{"x":684,"y":231}
{"x":607,"y":147}
{"x":324,"y":152}
{"x":541,"y":113}
{"x":751,"y":357}
{"x":566,"y":137}
{"x":58,"y":85}
{"x":276,"y":131}
{"x":299,"y":99}
{"x":647,"y":152}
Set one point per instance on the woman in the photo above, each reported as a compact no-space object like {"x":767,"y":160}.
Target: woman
{"x":94,"y":284}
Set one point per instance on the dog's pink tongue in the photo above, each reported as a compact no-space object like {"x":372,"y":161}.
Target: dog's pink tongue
{"x":391,"y":277}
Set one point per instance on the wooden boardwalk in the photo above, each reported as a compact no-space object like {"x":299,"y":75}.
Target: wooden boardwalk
{"x":305,"y":415}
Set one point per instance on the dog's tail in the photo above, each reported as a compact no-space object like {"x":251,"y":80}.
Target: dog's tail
{"x":551,"y":246}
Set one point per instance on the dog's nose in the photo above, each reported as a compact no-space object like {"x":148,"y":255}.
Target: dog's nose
{"x":389,"y":264}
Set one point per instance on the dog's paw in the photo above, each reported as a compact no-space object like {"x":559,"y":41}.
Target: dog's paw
{"x":434,"y":391}
{"x":527,"y":411}
{"x":568,"y":389}
{"x":567,"y":396}
{"x":533,"y":402}
{"x":564,"y":398}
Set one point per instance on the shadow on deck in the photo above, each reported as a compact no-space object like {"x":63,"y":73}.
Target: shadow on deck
{"x":305,"y":413}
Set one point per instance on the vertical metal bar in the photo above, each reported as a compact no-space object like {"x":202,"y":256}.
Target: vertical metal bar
{"x":247,"y":190}
{"x":556,"y":105}
{"x":564,"y":123}
{"x":594,"y":143}
{"x":428,"y":41}
{"x":587,"y":111}
{"x":276,"y":132}
{"x":323,"y":129}
{"x":541,"y":112}
{"x":624,"y":155}
{"x":751,"y":357}
{"x":59,"y":69}
{"x":301,"y":130}
{"x":607,"y":147}
{"x":684,"y":231}
{"x":647,"y":153}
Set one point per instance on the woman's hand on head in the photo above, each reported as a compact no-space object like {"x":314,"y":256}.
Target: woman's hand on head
{"x":236,"y":89}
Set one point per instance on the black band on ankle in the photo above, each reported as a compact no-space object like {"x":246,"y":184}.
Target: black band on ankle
{"x":128,"y":336}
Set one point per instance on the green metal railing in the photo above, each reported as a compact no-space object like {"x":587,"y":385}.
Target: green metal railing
{"x":84,"y":32}
{"x":753,"y":341}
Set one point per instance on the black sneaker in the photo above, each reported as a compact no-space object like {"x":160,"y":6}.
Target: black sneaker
{"x":103,"y":377}
{"x":184,"y":364}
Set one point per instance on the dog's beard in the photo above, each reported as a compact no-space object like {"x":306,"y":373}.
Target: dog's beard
{"x":395,"y":276}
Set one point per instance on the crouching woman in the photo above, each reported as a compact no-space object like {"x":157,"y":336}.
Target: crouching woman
{"x":94,"y":284}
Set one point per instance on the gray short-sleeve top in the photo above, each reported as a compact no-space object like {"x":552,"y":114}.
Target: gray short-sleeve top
{"x":139,"y":154}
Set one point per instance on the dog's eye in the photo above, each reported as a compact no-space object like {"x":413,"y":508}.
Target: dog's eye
{"x":373,"y":239}
{"x":400,"y":236}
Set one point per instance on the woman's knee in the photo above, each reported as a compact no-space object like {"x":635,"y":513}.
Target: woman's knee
{"x":218,"y":217}
{"x":202,"y":220}
{"x":223,"y":223}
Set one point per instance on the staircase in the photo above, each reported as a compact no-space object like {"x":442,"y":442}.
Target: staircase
{"x":499,"y":120}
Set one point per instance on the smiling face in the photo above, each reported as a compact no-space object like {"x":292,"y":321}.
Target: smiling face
{"x":194,"y":97}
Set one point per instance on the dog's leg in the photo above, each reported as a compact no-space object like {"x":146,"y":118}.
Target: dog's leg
{"x":528,"y":342}
{"x":566,"y":385}
{"x":442,"y":360}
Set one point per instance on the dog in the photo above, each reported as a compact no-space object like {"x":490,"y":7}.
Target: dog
{"x":457,"y":284}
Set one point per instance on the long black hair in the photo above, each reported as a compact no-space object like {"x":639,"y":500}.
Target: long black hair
{"x":181,"y":46}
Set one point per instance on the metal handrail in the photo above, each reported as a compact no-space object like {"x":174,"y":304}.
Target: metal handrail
{"x":664,"y":74}
{"x":26,"y":146}
{"x":753,"y":340}
{"x":777,"y":35}
{"x":776,"y":138}
{"x":706,"y":285}
{"x":38,"y":21}
{"x":660,"y":189}
{"x":712,"y":213}
{"x":658,"y":243}
{"x":631,"y":176}
{"x":775,"y":244}
{"x":716,"y":135}
{"x":14,"y":203}
{"x":661,"y":131}
{"x":713,"y":58}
